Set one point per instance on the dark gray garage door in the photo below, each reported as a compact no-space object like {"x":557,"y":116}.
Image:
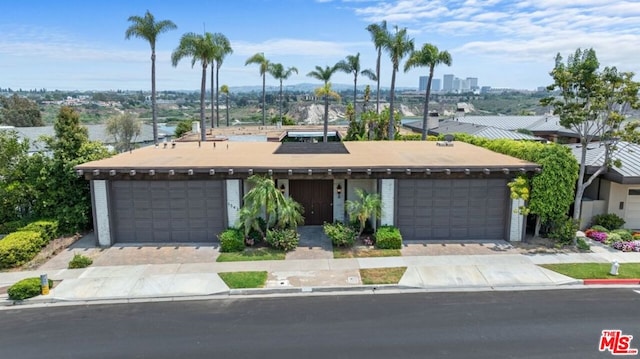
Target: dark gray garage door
{"x":167,"y":211}
{"x":456,"y":209}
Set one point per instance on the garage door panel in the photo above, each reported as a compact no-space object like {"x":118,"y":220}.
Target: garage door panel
{"x":167,"y":211}
{"x":457,"y":209}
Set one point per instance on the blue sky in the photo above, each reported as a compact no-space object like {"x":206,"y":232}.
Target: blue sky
{"x":80,"y":45}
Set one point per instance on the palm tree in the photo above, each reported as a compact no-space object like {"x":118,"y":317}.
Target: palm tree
{"x":147,"y":28}
{"x":279,"y":73}
{"x":264,"y":66}
{"x":201,"y":49}
{"x":429,"y":56}
{"x":379,"y":36}
{"x":398,"y":46}
{"x":263,"y":197}
{"x":225,"y":90}
{"x":325,"y":92}
{"x":366,"y":206}
{"x":351,"y":65}
{"x":222,"y":49}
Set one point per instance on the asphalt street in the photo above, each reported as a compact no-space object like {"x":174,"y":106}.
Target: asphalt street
{"x":526,"y":324}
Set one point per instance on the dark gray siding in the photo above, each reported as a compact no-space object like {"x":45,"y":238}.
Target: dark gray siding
{"x":167,"y":211}
{"x":452,"y":209}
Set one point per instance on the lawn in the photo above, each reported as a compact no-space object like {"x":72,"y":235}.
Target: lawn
{"x":252,"y":254}
{"x":382,"y":275}
{"x":356,"y":252}
{"x":238,"y":280}
{"x":595,"y":270}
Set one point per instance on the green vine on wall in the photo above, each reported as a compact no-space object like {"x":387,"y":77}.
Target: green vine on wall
{"x":520,"y":190}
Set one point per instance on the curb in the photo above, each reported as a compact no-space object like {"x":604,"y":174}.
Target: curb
{"x":611,"y":281}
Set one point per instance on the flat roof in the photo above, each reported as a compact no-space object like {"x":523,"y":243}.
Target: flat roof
{"x":260,"y":155}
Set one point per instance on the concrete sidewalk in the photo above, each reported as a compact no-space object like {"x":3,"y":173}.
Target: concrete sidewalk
{"x":191,"y":271}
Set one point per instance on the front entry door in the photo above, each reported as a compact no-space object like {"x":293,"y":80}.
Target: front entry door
{"x":316,"y":196}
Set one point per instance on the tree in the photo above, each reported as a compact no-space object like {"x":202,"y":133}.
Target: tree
{"x":593,"y":104}
{"x":14,"y":153}
{"x":379,"y":36}
{"x":263,"y":64}
{"x":225,"y":91}
{"x":366,"y":206}
{"x":222,"y":49}
{"x":148,"y":28}
{"x":199,"y":48}
{"x":280,"y":73}
{"x":124,"y":129}
{"x":182,"y":127}
{"x":325,"y":92}
{"x":19,"y":112}
{"x":351,"y":65}
{"x":398,"y":46}
{"x":428,"y":56}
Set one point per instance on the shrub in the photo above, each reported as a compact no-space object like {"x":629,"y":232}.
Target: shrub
{"x":340,"y":234}
{"x":283,"y":239}
{"x":18,"y":248}
{"x":48,"y":229}
{"x":599,"y":228}
{"x":625,"y":234}
{"x":80,"y":261}
{"x":582,"y":244}
{"x":609,"y":221}
{"x":231,"y":240}
{"x":633,"y":246}
{"x":613,"y":237}
{"x":598,"y":236}
{"x":26,"y":288}
{"x":388,"y":237}
{"x":12,"y":226}
{"x":564,"y":231}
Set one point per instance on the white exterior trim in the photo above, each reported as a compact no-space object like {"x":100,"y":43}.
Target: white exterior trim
{"x":516,"y":221}
{"x":102,"y":217}
{"x":387,"y":195}
{"x":233,"y":201}
{"x":338,"y":200}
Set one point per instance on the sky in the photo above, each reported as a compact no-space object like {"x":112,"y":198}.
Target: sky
{"x":80,"y":45}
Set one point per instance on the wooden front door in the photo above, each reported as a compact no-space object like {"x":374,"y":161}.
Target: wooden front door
{"x":316,"y":196}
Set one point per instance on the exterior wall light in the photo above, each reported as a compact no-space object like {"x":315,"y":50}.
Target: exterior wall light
{"x":447,"y":171}
{"x":212,"y":172}
{"x":250,"y":171}
{"x":282,"y":188}
{"x":96,"y":172}
{"x":172,"y":172}
{"x":338,"y":190}
{"x":152,"y":172}
{"x":112,"y":172}
{"x":190,"y":172}
{"x":132,"y":173}
{"x":230,"y":171}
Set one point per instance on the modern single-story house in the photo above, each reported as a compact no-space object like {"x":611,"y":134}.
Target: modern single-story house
{"x":617,"y":190}
{"x":452,"y":127}
{"x":190,"y":192}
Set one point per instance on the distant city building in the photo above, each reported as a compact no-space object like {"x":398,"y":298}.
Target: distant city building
{"x":473,"y":83}
{"x":436,"y":85}
{"x":447,"y":83}
{"x":422,"y":83}
{"x":456,"y":85}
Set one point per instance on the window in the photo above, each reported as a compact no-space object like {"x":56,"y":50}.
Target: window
{"x":634,"y":192}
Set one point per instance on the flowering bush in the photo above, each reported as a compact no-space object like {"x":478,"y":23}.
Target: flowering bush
{"x":633,"y":246}
{"x":598,"y":236}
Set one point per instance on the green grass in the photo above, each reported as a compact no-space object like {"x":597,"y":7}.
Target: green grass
{"x":339,"y":253}
{"x":238,"y":280}
{"x":252,"y":254}
{"x":595,"y":270}
{"x":382,"y":275}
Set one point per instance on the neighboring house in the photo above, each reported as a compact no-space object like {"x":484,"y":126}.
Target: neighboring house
{"x":190,"y":192}
{"x":451,"y":127}
{"x":547,"y":126}
{"x":96,"y":133}
{"x":617,"y":190}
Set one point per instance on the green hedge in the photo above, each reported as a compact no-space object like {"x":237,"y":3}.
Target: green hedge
{"x":48,"y":229}
{"x":283,"y":239}
{"x":341,"y":235}
{"x":231,"y":240}
{"x":26,"y":288}
{"x":12,"y":226}
{"x":18,"y":248}
{"x":388,"y":237}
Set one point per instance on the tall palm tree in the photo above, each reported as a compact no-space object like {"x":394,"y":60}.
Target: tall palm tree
{"x":398,"y":46}
{"x":225,"y":90}
{"x":148,"y":28}
{"x":428,"y":56}
{"x":351,"y":65}
{"x":325,"y":92}
{"x":263,"y":63}
{"x":199,"y":48}
{"x":379,"y":36}
{"x":222,"y":49}
{"x":280,"y":73}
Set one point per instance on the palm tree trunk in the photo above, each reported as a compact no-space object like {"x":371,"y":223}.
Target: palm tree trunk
{"x":203,"y":88}
{"x":378,"y":81}
{"x":212,"y":85}
{"x":264,"y":105}
{"x":280,"y":118}
{"x":217,"y":95}
{"x":154,"y":111}
{"x":326,"y":118}
{"x":227,"y":109}
{"x":425,"y":116}
{"x":391,"y":133}
{"x":355,"y":94}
